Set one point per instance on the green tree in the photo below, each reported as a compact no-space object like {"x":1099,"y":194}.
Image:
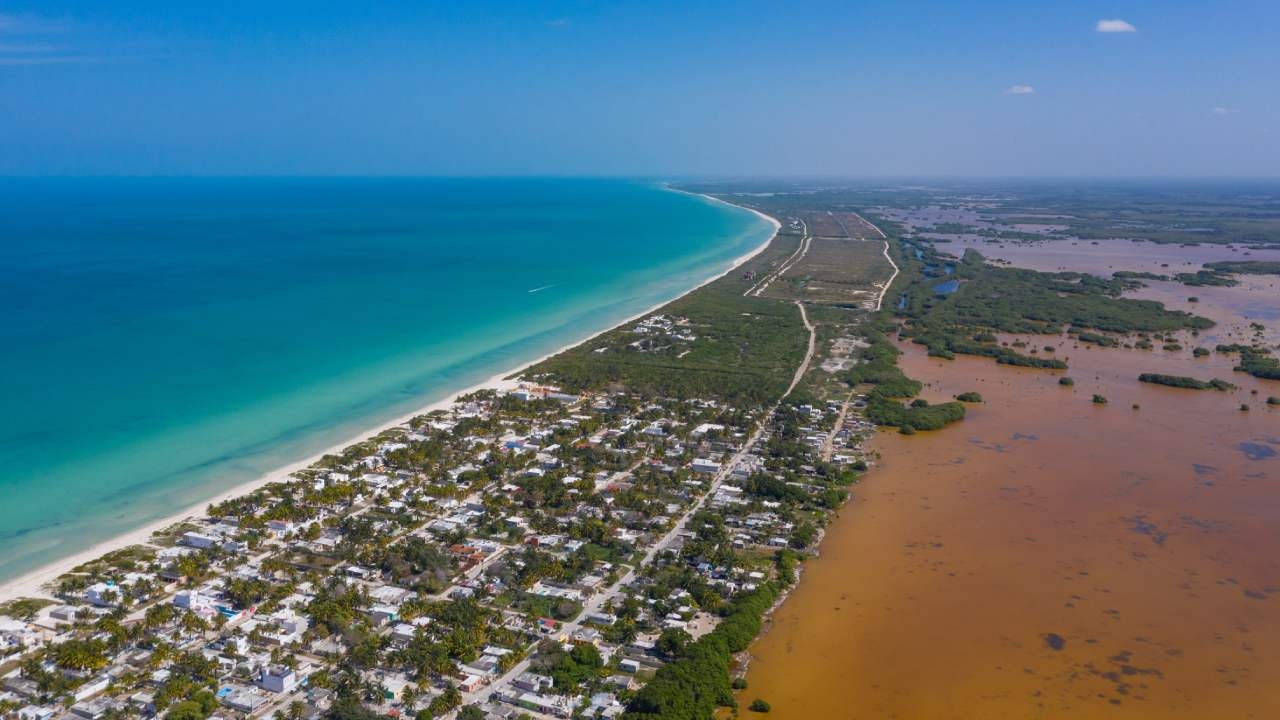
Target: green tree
{"x":673,"y":642}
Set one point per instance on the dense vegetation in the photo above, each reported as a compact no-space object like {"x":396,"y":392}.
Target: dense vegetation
{"x":1134,"y":275}
{"x":1182,"y":381}
{"x":919,"y":415}
{"x":1258,"y":362}
{"x":693,"y":686}
{"x":878,"y":366}
{"x":1245,"y":267}
{"x":995,"y":299}
{"x":1205,"y":278}
{"x":1097,"y":339}
{"x":745,"y":352}
{"x":1016,"y":300}
{"x":1219,"y":273}
{"x":947,"y":343}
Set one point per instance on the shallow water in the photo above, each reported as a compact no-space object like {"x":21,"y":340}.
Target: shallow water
{"x":1049,"y":557}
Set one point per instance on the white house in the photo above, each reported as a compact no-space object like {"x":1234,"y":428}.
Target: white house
{"x":102,"y":594}
{"x":277,"y":679}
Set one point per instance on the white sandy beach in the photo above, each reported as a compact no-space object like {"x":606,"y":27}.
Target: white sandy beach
{"x":32,"y":583}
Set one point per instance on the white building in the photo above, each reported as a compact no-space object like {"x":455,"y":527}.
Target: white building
{"x":278,"y":679}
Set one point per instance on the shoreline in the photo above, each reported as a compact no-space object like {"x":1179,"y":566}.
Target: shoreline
{"x":31,"y":584}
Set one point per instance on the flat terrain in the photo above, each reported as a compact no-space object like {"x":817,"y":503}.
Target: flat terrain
{"x":836,"y":271}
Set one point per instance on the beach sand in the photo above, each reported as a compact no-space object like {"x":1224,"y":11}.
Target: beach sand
{"x":32,"y":584}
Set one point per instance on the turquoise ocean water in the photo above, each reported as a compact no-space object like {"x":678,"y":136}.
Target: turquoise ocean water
{"x":164,"y":340}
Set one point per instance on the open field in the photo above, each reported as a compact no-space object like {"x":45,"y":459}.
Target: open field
{"x":836,"y":271}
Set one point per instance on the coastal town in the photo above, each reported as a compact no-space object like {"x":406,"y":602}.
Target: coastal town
{"x":532,"y":553}
{"x":528,"y":552}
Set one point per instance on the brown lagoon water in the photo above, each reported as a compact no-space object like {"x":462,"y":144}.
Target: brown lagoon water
{"x":1052,"y":558}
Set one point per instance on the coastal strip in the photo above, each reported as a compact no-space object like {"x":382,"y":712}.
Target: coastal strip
{"x":31,"y":584}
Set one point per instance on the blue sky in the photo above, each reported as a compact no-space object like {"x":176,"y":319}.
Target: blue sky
{"x":648,"y":88}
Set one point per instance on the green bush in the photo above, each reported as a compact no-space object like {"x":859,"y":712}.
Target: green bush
{"x":882,"y":411}
{"x":1182,"y":381}
{"x":692,"y":687}
{"x":1098,"y":339}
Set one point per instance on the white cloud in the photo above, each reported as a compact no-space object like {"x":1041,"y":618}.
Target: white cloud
{"x":1020,"y":90}
{"x":22,"y":35}
{"x":1114,"y":26}
{"x":1222,"y":111}
{"x":28,"y":24}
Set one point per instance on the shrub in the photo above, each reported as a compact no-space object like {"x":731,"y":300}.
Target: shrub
{"x":759,"y":706}
{"x":691,"y":687}
{"x":1181,"y":381}
{"x":882,"y":411}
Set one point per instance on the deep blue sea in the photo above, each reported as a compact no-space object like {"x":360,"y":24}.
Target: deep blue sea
{"x":166,"y":339}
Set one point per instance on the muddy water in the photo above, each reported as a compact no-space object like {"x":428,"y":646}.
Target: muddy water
{"x":1048,"y":557}
{"x":1255,"y":300}
{"x":1108,"y":256}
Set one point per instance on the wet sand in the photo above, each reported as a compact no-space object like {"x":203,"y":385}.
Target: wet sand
{"x":1048,"y":557}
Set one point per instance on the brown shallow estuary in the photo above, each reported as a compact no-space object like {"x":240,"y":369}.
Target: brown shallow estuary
{"x":1048,"y":557}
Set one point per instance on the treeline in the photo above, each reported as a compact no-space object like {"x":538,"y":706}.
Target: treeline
{"x":1246,"y":267}
{"x":1258,"y":362}
{"x":694,"y":685}
{"x":1017,"y":300}
{"x":1219,"y":273}
{"x":1182,"y":381}
{"x":1097,"y":339}
{"x":919,"y":415}
{"x":879,"y":366}
{"x":1205,"y":278}
{"x":1134,"y":275}
{"x":949,"y":343}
